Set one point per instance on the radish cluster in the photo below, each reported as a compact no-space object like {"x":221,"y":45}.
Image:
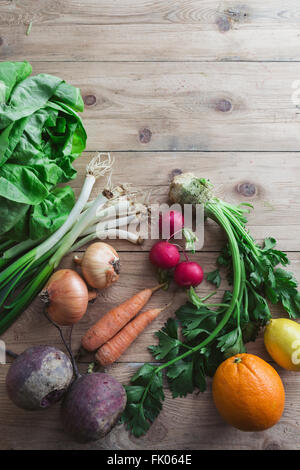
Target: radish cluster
{"x":165,"y":255}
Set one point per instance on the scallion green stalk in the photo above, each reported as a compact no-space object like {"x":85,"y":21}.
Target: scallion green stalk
{"x":62,"y":239}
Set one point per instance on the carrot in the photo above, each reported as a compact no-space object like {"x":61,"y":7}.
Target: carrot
{"x":114,"y":320}
{"x":114,"y":348}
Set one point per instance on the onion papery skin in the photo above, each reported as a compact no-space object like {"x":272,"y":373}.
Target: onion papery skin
{"x":66,"y":295}
{"x":100,"y":265}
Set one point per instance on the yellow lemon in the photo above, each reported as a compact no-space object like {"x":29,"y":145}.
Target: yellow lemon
{"x":282,"y":341}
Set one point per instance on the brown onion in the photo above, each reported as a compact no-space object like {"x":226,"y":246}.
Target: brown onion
{"x":100,"y":265}
{"x":66,"y":295}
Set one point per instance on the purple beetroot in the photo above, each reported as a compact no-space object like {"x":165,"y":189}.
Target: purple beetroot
{"x":92,"y":406}
{"x":39,"y":377}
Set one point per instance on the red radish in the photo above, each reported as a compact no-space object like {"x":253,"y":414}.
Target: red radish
{"x":188,"y":274}
{"x":164,"y":255}
{"x":171,"y":221}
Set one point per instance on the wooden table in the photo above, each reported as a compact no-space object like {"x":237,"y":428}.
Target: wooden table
{"x":205,"y":85}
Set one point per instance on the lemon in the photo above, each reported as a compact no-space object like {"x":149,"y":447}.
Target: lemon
{"x":282,"y":341}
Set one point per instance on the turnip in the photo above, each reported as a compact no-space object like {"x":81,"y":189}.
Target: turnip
{"x":38,"y":377}
{"x":188,"y":274}
{"x":164,"y":255}
{"x":92,"y":406}
{"x":170,"y":222}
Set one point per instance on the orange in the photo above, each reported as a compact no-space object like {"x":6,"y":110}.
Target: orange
{"x":248,"y":393}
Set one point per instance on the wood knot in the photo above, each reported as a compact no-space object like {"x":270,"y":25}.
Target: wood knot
{"x":145,"y":135}
{"x":223,"y":24}
{"x":89,"y":100}
{"x":1,"y":41}
{"x":224,"y":106}
{"x":246,"y":189}
{"x":238,"y":14}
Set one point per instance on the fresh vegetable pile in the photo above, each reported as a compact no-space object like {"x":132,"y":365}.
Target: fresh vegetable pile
{"x":41,"y":135}
{"x":85,"y":222}
{"x":212,"y":332}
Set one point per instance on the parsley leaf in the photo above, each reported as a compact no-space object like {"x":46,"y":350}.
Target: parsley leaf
{"x":180,"y":377}
{"x":144,"y":399}
{"x":168,"y":346}
{"x":232,"y":343}
{"x":214,"y":277}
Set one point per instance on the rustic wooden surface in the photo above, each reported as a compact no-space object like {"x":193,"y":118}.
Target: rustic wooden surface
{"x":202,"y":85}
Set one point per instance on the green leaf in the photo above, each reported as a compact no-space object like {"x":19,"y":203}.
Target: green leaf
{"x":199,"y":372}
{"x":41,"y":137}
{"x":269,"y":243}
{"x":27,"y":97}
{"x":196,"y":322}
{"x":144,"y":400}
{"x":180,"y":376}
{"x":250,"y":331}
{"x":10,"y":214}
{"x":231,"y":343}
{"x":214,"y":277}
{"x":285,"y":291}
{"x":12,"y":73}
{"x":168,"y":346}
{"x":20,"y":184}
{"x":134,"y":419}
{"x":51,"y":213}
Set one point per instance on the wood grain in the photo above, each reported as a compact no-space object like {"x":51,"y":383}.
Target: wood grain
{"x":205,"y":30}
{"x":208,"y":107}
{"x":269,"y":182}
{"x":249,"y":14}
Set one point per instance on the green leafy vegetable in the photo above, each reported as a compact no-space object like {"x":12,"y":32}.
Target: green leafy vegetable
{"x":40,"y":136}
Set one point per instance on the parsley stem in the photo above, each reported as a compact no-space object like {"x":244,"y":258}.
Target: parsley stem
{"x":213,"y":210}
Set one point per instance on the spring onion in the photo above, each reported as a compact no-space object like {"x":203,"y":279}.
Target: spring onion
{"x":37,"y":264}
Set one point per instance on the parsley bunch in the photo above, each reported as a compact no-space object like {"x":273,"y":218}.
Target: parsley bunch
{"x":202,"y":334}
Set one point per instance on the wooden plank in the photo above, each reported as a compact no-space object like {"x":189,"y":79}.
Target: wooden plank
{"x":185,"y":423}
{"x":268,"y":181}
{"x":249,"y":14}
{"x":209,"y":107}
{"x":136,"y":273}
{"x":150,"y":42}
